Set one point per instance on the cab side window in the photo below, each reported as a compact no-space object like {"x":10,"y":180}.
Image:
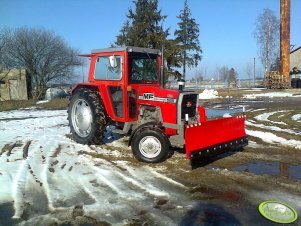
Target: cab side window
{"x":104,"y":71}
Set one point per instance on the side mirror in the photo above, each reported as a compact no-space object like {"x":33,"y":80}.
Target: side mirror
{"x":113,"y":61}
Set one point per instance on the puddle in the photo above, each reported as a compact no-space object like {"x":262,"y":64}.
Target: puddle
{"x":294,"y":172}
{"x":271,"y":168}
{"x":6,"y":214}
{"x":209,"y":193}
{"x":214,"y":113}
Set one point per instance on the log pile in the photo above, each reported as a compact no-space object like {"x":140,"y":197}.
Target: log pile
{"x":274,"y":80}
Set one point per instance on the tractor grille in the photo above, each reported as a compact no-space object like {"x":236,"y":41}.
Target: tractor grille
{"x":189,"y":104}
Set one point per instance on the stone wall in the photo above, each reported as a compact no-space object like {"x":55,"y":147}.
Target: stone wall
{"x":13,"y":85}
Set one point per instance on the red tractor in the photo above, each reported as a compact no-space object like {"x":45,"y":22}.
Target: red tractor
{"x":125,"y":89}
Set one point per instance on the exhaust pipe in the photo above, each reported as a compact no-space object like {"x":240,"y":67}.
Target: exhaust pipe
{"x":181,"y":83}
{"x":162,"y":69}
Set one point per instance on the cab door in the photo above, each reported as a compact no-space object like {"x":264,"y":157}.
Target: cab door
{"x":108,"y":72}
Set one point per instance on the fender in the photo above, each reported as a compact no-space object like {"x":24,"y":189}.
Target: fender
{"x":151,"y":126}
{"x":85,"y":85}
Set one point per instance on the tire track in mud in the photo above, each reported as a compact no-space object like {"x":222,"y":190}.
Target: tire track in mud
{"x":123,"y":191}
{"x":141,"y":195}
{"x":8,"y":148}
{"x":25,"y":155}
{"x":61,"y":174}
{"x":25,"y":149}
{"x":18,"y":189}
{"x":28,"y":190}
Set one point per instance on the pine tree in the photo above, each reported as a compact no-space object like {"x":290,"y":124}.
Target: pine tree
{"x":122,"y":38}
{"x":144,"y":26}
{"x":187,"y":36}
{"x":232,"y":78}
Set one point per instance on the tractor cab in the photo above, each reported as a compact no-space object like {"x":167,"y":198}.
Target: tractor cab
{"x":119,"y":73}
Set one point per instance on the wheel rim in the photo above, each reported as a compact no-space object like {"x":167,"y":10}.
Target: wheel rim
{"x":150,"y":146}
{"x":81,"y":118}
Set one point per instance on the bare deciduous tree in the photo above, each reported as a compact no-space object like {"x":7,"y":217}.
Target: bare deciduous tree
{"x":4,"y":63}
{"x":198,"y":75}
{"x":267,"y":36}
{"x":248,"y":70}
{"x":224,"y":73}
{"x":45,"y":55}
{"x":217,"y":73}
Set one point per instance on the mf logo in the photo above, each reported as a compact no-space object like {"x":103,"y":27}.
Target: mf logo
{"x":148,"y":96}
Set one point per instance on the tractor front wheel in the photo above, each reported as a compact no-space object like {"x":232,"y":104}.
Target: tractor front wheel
{"x":87,"y":117}
{"x":150,"y":146}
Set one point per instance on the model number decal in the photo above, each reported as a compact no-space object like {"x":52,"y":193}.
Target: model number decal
{"x":148,"y":96}
{"x":151,"y":96}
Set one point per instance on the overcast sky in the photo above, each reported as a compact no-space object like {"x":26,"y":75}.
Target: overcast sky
{"x":226,"y":26}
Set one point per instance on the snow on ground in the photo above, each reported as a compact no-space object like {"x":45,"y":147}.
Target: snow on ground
{"x":269,"y":95}
{"x":42,"y":101}
{"x":265,"y":117}
{"x":209,"y":94}
{"x":297,"y":117}
{"x":260,"y":109}
{"x":40,"y":167}
{"x":254,"y":90}
{"x":272,"y":138}
{"x":274,"y":128}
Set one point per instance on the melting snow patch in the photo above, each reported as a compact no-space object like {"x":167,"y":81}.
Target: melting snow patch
{"x":261,"y":109}
{"x":269,"y":95}
{"x":250,"y":123}
{"x":265,"y":117}
{"x":42,"y":101}
{"x":227,"y":115}
{"x":272,"y":138}
{"x":209,"y":94}
{"x":296,"y":117}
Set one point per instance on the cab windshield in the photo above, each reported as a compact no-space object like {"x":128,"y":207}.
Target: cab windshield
{"x":143,"y":68}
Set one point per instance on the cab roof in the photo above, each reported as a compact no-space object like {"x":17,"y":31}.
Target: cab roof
{"x":128,"y":49}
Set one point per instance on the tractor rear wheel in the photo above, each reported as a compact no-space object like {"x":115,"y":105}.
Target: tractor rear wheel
{"x":150,"y":146}
{"x":87,"y":116}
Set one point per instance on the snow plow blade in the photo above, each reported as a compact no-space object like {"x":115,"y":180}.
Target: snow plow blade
{"x":213,"y":136}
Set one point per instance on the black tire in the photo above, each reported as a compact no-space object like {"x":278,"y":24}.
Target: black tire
{"x":154,"y":138}
{"x":298,"y":83}
{"x":97,"y":119}
{"x":294,"y":83}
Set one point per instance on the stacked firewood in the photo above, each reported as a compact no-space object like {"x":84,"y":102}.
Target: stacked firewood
{"x":274,"y":80}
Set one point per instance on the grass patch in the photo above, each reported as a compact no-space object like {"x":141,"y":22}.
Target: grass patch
{"x":234,"y":93}
{"x":17,"y":104}
{"x":55,"y":104}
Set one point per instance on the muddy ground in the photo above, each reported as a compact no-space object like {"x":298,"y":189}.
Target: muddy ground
{"x":222,"y":190}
